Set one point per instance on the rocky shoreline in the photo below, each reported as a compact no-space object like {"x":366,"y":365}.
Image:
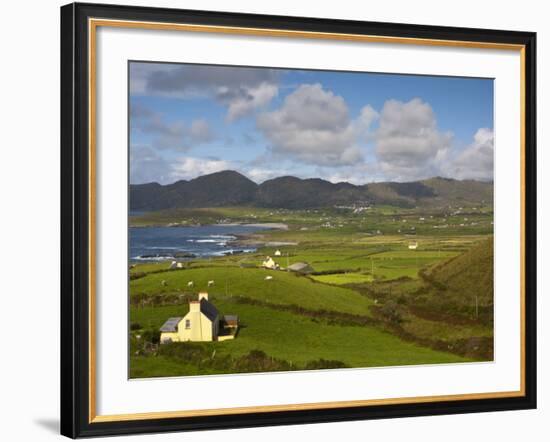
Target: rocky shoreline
{"x":277,"y":226}
{"x":241,"y":243}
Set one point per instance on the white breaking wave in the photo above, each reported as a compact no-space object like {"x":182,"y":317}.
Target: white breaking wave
{"x":230,"y":251}
{"x":152,"y":258}
{"x":162,"y":248}
{"x":222,"y":236}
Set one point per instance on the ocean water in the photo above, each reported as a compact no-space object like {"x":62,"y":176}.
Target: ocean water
{"x":173,"y":243}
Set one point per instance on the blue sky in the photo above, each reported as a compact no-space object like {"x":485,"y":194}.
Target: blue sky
{"x":189,"y":120}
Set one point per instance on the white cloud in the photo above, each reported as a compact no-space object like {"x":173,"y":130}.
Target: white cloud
{"x":200,"y":131}
{"x":312,"y":126}
{"x":174,"y":135}
{"x":476,"y":161}
{"x":190,"y":167}
{"x":408,"y":142}
{"x":365,"y":120}
{"x":358,"y":174}
{"x":253,"y":98}
{"x":147,"y":166}
{"x":242,"y":90}
{"x":259,"y":175}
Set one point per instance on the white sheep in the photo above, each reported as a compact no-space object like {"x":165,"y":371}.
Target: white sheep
{"x":268,"y":278}
{"x":190,"y":284}
{"x":210,"y":283}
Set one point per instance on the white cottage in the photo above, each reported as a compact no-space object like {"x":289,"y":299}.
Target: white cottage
{"x":269,"y":263}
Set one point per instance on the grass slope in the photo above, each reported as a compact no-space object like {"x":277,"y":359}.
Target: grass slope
{"x":470,"y":273}
{"x":285,"y":288}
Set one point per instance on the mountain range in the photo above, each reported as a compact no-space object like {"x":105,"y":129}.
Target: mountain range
{"x":230,"y":188}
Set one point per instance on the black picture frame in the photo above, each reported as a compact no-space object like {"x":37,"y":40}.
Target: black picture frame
{"x":75,"y":220}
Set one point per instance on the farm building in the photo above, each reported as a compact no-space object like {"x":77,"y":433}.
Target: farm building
{"x":277,"y":253}
{"x":270,"y":264}
{"x":413,"y":245}
{"x":201,"y":323}
{"x":175,"y":265}
{"x":301,"y":267}
{"x":231,"y":321}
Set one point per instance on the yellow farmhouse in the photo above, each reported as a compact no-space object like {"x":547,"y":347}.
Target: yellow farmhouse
{"x":202,"y":323}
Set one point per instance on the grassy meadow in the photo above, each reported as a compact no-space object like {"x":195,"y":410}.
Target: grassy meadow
{"x":370,"y":301}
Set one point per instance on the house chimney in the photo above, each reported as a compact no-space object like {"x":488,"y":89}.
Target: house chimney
{"x":194,"y":306}
{"x":203,"y":295}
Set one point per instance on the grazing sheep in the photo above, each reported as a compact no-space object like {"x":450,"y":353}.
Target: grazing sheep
{"x":173,"y":265}
{"x":163,"y":283}
{"x":190,"y":284}
{"x":210,"y":283}
{"x":268,"y":278}
{"x":180,"y":265}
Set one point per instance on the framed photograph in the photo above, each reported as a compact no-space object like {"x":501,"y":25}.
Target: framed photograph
{"x":274,"y":220}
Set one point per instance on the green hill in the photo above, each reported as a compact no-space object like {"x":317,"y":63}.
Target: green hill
{"x":466,"y":276}
{"x":230,"y":188}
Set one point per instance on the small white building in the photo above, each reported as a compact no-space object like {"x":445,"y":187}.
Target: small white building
{"x":270,"y":264}
{"x":413,"y":245}
{"x":277,"y":253}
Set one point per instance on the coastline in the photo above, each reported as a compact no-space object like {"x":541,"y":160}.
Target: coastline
{"x":240,"y":242}
{"x":275,"y":226}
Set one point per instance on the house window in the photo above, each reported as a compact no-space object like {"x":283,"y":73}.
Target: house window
{"x":187,"y":323}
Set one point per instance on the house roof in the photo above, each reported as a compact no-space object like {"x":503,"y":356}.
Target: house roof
{"x":300,"y":267}
{"x":208,"y":310}
{"x":231,"y":318}
{"x":171,"y":325}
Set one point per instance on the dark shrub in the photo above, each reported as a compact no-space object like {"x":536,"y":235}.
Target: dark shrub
{"x":151,"y":335}
{"x":320,"y":364}
{"x":392,"y":312}
{"x":137,"y":275}
{"x":258,"y":361}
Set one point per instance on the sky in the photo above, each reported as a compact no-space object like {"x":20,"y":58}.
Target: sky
{"x":188,"y":120}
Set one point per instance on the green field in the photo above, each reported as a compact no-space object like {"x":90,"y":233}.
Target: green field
{"x":370,"y":301}
{"x":285,"y":288}
{"x":343,"y":278}
{"x":296,"y":339}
